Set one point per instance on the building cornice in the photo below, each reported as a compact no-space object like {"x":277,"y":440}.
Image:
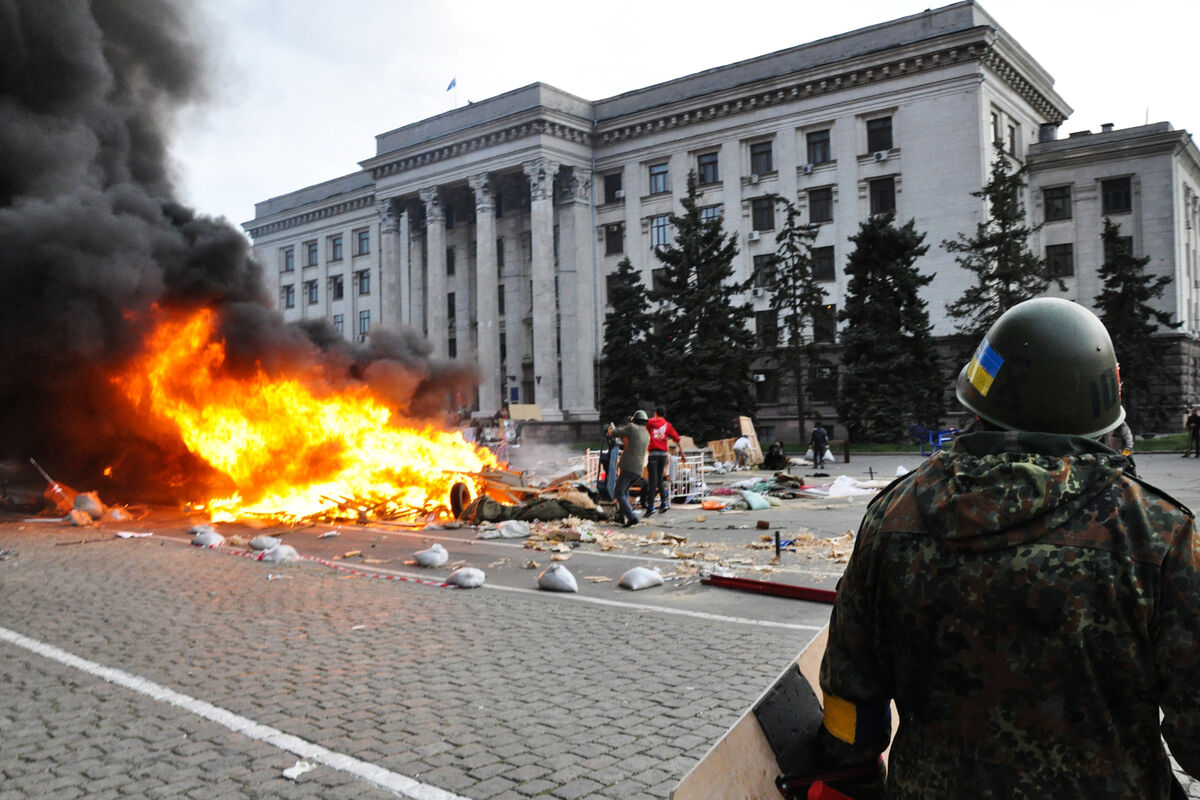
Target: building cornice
{"x":311,"y":215}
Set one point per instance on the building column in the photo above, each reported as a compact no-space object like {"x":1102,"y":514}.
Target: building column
{"x":437,"y":332}
{"x":578,"y":296}
{"x":541,"y":172}
{"x":391,"y":245}
{"x":487,"y":319}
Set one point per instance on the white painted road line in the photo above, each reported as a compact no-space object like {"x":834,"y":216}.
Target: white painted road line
{"x":401,"y":785}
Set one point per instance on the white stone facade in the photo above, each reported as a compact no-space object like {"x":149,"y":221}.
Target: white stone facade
{"x":516,"y":208}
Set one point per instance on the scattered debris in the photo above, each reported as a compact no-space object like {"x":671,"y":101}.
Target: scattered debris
{"x":7,"y":553}
{"x":80,"y":519}
{"x":641,"y":578}
{"x":275,"y":576}
{"x":279,"y":554}
{"x":328,"y":534}
{"x":132,"y":534}
{"x":89,"y":503}
{"x":206,"y":536}
{"x":597,"y":578}
{"x":557,"y":578}
{"x":298,"y":769}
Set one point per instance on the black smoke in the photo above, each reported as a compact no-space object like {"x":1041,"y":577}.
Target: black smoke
{"x":92,"y":238}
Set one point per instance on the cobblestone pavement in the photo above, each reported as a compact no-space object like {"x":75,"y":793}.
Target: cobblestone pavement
{"x":487,"y":693}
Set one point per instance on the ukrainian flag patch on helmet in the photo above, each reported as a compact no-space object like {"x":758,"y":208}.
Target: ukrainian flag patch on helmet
{"x":983,"y":367}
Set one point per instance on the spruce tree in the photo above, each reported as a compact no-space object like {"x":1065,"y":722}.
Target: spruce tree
{"x":891,"y":373}
{"x":1006,"y":272}
{"x":625,"y":357}
{"x":704,"y":346}
{"x":797,"y":297}
{"x":1123,"y":305}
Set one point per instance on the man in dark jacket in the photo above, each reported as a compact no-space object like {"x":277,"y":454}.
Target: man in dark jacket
{"x":1031,"y":607}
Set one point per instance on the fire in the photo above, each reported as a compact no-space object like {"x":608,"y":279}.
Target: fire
{"x":290,"y":448}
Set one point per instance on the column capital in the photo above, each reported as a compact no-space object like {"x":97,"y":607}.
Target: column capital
{"x":432,"y":200}
{"x":481,"y":185}
{"x":541,"y":172}
{"x":579,"y":185}
{"x":389,"y":215}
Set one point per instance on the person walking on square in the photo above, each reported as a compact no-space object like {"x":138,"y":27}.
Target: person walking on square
{"x":1032,"y":608}
{"x":1193,"y":432}
{"x":660,"y":432}
{"x":819,"y":441}
{"x":631,"y":463}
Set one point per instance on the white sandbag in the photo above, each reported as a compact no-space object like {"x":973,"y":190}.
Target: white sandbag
{"x":513,"y":529}
{"x":264,"y":542}
{"x":279,"y":554}
{"x":466,"y":577}
{"x":557,"y":578}
{"x":641,"y":578}
{"x":89,"y":503}
{"x":80,"y":519}
{"x":206,"y":536}
{"x":754,"y":500}
{"x":434,"y":556}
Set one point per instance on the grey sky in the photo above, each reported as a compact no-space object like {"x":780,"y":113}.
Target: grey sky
{"x":301,"y":87}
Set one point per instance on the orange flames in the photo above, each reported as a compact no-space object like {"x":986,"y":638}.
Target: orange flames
{"x":290,"y":449}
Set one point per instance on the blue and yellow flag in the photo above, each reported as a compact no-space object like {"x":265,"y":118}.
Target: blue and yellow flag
{"x":983,"y":367}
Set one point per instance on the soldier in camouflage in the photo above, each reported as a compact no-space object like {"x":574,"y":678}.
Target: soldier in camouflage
{"x":1029,"y":605}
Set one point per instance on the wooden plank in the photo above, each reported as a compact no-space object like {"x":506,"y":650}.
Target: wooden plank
{"x":741,"y":765}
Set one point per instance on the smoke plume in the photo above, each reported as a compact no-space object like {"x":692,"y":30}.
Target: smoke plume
{"x":93,"y":239}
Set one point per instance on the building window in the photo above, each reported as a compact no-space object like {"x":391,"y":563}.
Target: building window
{"x":766,"y":328}
{"x":337,"y":287}
{"x":614,"y":239}
{"x":706,"y":169}
{"x":766,"y":390}
{"x":710,"y":213}
{"x":364,"y":324}
{"x":339,"y":322}
{"x":762,"y":213}
{"x":610,"y":282}
{"x":500,"y":254}
{"x":527,"y":246}
{"x":612,"y":188}
{"x":503,"y":348}
{"x":764,"y":269}
{"x":448,"y":208}
{"x":335,"y":248}
{"x":822,"y":385}
{"x":1124,"y":247}
{"x":362,"y":242}
{"x":311,"y":254}
{"x":658,"y":279}
{"x":363,"y":279}
{"x":289,"y":296}
{"x":1116,"y":195}
{"x":659,"y":182}
{"x":879,"y":134}
{"x":997,"y":130}
{"x":822,"y":263}
{"x":1013,"y":138}
{"x":500,"y":299}
{"x":1060,"y":260}
{"x":1057,"y":202}
{"x":451,"y":309}
{"x":820,"y":205}
{"x":288,"y":262}
{"x":660,"y":231}
{"x":819,"y":151}
{"x":452,"y":347}
{"x":883,"y":195}
{"x":450,"y":266}
{"x":760,"y":158}
{"x":498,"y":203}
{"x":825,"y":324}
{"x":310,"y":291}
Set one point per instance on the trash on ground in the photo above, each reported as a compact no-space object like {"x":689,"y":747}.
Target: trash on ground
{"x":434,"y":556}
{"x":557,"y":578}
{"x":279,"y":554}
{"x":348,"y":554}
{"x":275,"y":576}
{"x":89,"y":503}
{"x":132,"y":534}
{"x":264,"y":542}
{"x":80,"y":519}
{"x":466,"y":577}
{"x":641,"y":578}
{"x":298,"y":769}
{"x":328,"y":534}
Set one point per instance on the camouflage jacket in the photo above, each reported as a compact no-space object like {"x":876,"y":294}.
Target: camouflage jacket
{"x":1030,"y":608}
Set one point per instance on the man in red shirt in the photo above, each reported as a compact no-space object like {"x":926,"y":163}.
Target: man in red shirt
{"x":656,"y":467}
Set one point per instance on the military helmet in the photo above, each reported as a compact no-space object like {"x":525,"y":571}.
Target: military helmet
{"x":639,"y":416}
{"x":1048,"y":365}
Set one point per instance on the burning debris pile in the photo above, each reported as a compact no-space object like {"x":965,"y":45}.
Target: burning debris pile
{"x":141,"y":349}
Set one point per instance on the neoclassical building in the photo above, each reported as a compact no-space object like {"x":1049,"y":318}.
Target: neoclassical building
{"x":492,"y":228}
